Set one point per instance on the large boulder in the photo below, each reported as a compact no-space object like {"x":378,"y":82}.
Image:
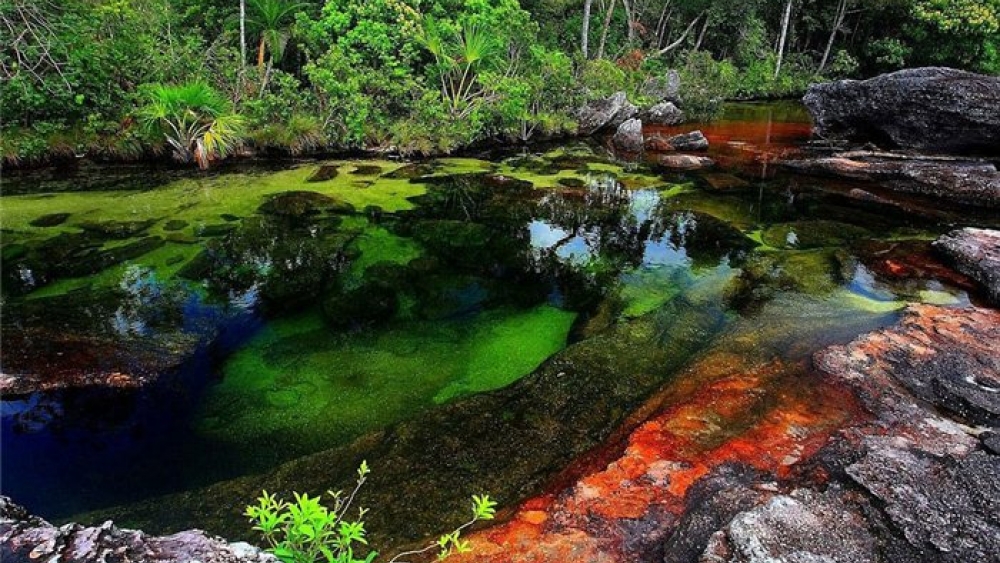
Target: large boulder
{"x":663,"y":88}
{"x":975,"y":253}
{"x":628,"y":138}
{"x":605,"y":114}
{"x":936,"y":109}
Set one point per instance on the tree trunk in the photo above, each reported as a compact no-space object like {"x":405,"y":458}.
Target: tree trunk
{"x":784,"y":36}
{"x":629,"y":30}
{"x":243,"y":34}
{"x":837,"y":22}
{"x":260,"y":54}
{"x":585,"y":32}
{"x":604,"y":31}
{"x":701,"y":36}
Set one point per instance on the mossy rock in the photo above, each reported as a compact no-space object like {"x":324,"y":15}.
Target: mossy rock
{"x":50,"y":220}
{"x":324,"y":173}
{"x":366,"y":170}
{"x":117,"y":229}
{"x":572,"y":182}
{"x":175,"y":225}
{"x":299,"y":204}
{"x":218,"y":230}
{"x":370,"y":304}
{"x":812,"y":234}
{"x":413,"y":171}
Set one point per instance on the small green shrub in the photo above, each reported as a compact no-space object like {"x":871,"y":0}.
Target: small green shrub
{"x":306,"y":531}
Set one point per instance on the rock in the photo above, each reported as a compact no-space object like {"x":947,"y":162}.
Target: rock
{"x":324,"y":173}
{"x":50,"y":220}
{"x":693,"y":141}
{"x":943,"y":505}
{"x":299,"y":204}
{"x":174,"y":225}
{"x":117,"y":229}
{"x":812,"y":234}
{"x":802,"y":527}
{"x":723,"y":182}
{"x":975,"y":253}
{"x":663,"y":88}
{"x":938,"y":109}
{"x":991,"y":441}
{"x":672,"y":162}
{"x":606,"y":113}
{"x":572,"y":182}
{"x":964,"y":182}
{"x":628,"y":138}
{"x":26,"y":539}
{"x":663,"y":113}
{"x":367,"y":170}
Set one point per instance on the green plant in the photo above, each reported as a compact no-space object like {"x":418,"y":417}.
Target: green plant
{"x":459,"y":57}
{"x":194,"y":119}
{"x":306,"y":531}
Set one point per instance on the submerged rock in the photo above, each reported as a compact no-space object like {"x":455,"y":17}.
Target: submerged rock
{"x":324,"y":173}
{"x":938,"y":109}
{"x":26,"y":539}
{"x":628,"y":137}
{"x":693,"y":141}
{"x":50,"y":220}
{"x":975,"y":253}
{"x":812,"y":234}
{"x":117,"y":229}
{"x":673,"y":162}
{"x":300,"y":204}
{"x":607,"y":113}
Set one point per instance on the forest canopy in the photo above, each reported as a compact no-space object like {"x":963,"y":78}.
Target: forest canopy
{"x":84,"y":76}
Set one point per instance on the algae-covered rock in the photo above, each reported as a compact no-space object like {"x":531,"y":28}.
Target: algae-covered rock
{"x":367,"y":170}
{"x":813,"y":234}
{"x":50,"y":220}
{"x":765,"y":275}
{"x":175,"y":225}
{"x":301,"y":204}
{"x":117,"y":229}
{"x":324,"y":173}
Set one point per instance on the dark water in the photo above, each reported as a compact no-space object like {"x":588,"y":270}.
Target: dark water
{"x":283,"y":323}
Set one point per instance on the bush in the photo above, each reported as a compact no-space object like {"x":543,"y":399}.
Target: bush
{"x":306,"y":531}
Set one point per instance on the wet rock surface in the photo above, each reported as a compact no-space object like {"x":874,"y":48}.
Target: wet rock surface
{"x":682,"y":162}
{"x":936,"y":109}
{"x":663,"y":88}
{"x":693,"y":141}
{"x":25,"y":538}
{"x":967,"y":182}
{"x":975,"y":253}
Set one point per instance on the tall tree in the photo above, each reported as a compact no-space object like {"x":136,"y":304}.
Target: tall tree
{"x":243,"y":34}
{"x":838,"y":20}
{"x":784,"y":36}
{"x":585,"y":30}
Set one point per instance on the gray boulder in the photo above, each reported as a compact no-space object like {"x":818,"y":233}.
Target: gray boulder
{"x":663,"y":88}
{"x":605,"y":114}
{"x":663,"y":113}
{"x":628,"y":138}
{"x":936,"y":109}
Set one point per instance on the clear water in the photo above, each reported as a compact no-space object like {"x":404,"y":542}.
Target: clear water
{"x":464,"y":323}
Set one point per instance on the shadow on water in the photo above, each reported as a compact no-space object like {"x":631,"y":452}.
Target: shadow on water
{"x":465,"y":325}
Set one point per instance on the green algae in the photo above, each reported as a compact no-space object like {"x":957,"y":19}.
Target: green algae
{"x":378,"y":245}
{"x":313,"y":387}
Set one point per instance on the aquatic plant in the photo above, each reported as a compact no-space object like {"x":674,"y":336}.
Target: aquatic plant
{"x":306,"y":531}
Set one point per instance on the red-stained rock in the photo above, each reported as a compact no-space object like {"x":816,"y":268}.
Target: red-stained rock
{"x":682,"y":162}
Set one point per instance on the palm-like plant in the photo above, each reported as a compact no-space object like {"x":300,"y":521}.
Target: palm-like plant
{"x":198,"y":122}
{"x":459,"y":57}
{"x":271,"y":18}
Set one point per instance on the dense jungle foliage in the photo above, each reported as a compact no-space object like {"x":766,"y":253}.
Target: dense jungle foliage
{"x":200,"y":79}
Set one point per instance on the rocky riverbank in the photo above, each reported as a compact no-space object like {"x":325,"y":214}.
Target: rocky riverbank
{"x":25,"y":538}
